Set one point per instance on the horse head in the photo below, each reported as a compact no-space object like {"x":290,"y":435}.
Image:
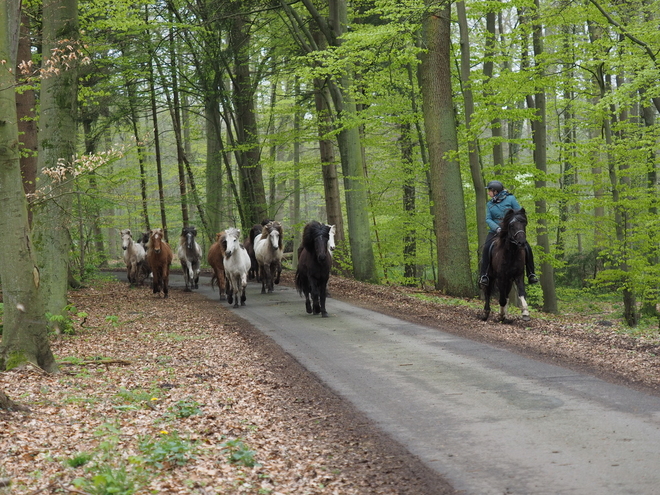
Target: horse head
{"x":319,"y":239}
{"x":232,"y":241}
{"x":126,"y":239}
{"x":189,"y":233}
{"x":155,"y":239}
{"x":514,"y":225}
{"x":273,"y":232}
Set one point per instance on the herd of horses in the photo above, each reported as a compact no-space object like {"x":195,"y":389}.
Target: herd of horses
{"x":234,"y":262}
{"x":260,"y":257}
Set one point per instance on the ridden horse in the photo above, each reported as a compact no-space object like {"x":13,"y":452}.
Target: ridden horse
{"x":237,"y":264}
{"x":190,"y":256}
{"x":248,"y":243}
{"x":134,"y":255}
{"x":268,"y":249}
{"x":314,"y":264}
{"x":159,"y":257}
{"x":507,"y":263}
{"x":216,"y":258}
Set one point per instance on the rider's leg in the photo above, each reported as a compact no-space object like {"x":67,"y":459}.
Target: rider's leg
{"x":529,"y":265}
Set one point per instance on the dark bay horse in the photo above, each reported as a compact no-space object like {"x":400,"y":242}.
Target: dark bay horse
{"x":159,"y":257}
{"x":507,"y":263}
{"x":190,"y":256}
{"x":254,"y":232}
{"x":314,"y":264}
{"x":216,"y":258}
{"x":269,"y":249}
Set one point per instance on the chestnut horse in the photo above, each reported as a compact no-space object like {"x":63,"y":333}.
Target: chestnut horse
{"x":159,"y":257}
{"x":216,"y":258}
{"x":314,"y":264}
{"x":269,"y":250}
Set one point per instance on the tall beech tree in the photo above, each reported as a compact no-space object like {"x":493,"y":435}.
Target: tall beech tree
{"x":25,"y":329}
{"x":454,"y":274}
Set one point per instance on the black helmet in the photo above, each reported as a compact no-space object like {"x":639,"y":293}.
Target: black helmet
{"x":495,"y":185}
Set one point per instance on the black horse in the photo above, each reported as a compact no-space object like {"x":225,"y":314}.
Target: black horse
{"x":314,"y":264}
{"x":507,"y":263}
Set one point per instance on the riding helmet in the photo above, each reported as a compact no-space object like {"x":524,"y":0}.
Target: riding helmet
{"x":495,"y":185}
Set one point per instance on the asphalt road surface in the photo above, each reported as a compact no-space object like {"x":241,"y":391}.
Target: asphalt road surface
{"x":488,"y":420}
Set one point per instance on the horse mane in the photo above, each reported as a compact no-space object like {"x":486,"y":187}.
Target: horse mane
{"x":311,"y":231}
{"x":233,"y":231}
{"x":269,"y":227}
{"x":509,"y":217}
{"x":187,"y":230}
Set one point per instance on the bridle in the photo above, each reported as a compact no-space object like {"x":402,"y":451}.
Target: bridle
{"x":512,"y":237}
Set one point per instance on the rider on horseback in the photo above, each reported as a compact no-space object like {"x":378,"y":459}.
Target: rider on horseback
{"x":500,"y":202}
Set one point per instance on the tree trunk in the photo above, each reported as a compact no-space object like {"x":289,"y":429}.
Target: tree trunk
{"x":409,"y":192}
{"x":214,"y":165}
{"x":25,"y":329}
{"x":454,"y":274}
{"x":57,"y":146}
{"x":473,"y":143}
{"x":27,"y":124}
{"x":539,"y":137}
{"x":253,"y":192}
{"x":350,"y":149}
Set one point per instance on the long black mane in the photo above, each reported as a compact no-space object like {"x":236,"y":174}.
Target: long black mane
{"x":313,"y":230}
{"x":513,"y":221}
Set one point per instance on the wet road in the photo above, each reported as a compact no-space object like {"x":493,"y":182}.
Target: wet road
{"x":488,"y":420}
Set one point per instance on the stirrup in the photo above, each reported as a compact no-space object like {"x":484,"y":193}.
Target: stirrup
{"x":532,"y":278}
{"x":483,"y":281}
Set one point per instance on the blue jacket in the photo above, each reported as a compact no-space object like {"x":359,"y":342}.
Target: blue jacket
{"x":497,"y":207}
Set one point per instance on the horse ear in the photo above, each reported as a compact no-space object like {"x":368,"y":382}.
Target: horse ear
{"x":522,"y":210}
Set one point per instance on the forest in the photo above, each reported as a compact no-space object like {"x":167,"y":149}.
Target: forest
{"x":384,"y":118}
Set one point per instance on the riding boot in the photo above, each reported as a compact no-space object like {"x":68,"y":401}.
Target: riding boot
{"x":529,"y":265}
{"x":485,"y":262}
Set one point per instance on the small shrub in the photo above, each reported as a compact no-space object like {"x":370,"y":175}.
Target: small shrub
{"x":78,"y":460}
{"x":185,"y":409}
{"x":109,"y":480}
{"x":168,"y":450}
{"x":238,"y":453}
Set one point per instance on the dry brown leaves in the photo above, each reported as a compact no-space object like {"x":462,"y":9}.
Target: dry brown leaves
{"x":181,"y":370}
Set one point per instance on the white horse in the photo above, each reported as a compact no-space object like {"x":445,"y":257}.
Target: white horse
{"x":190,"y":255}
{"x":268,"y":250}
{"x":237,"y":263}
{"x":134,"y":255}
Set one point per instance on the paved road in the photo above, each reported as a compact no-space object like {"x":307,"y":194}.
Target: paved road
{"x":486,"y":419}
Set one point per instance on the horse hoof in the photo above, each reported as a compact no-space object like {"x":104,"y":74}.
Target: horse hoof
{"x":526,"y":318}
{"x":324,"y":314}
{"x":308,"y":308}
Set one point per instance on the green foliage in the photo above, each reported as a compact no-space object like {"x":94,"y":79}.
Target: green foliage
{"x":166,"y":451}
{"x":108,"y":481}
{"x":238,"y":453}
{"x":136,"y":399}
{"x":185,"y":408}
{"x":78,"y":460}
{"x":113,"y":320}
{"x":64,"y":323}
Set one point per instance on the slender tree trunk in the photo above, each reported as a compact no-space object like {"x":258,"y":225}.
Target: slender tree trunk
{"x":132,"y":100}
{"x":473,"y":143}
{"x":252,"y":185}
{"x":454,"y":274}
{"x":214,"y":165}
{"x":25,"y":329}
{"x":539,"y":136}
{"x":409,"y":191}
{"x":57,"y":146}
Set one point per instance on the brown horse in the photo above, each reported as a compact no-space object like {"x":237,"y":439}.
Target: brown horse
{"x":215,"y":258}
{"x":269,"y":250}
{"x":159,"y":257}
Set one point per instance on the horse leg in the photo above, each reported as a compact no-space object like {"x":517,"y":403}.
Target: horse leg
{"x":196,"y":268}
{"x":187,"y":272}
{"x":243,"y":286}
{"x":166,"y":283}
{"x":487,"y":293}
{"x":272,"y":270}
{"x":316,"y":305}
{"x":228,"y":290}
{"x":520,"y":283}
{"x":322,"y":295}
{"x":505,"y":288}
{"x":262,"y":276}
{"x":278,"y":271}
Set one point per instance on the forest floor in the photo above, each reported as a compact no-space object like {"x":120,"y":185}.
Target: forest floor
{"x":178,"y":396}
